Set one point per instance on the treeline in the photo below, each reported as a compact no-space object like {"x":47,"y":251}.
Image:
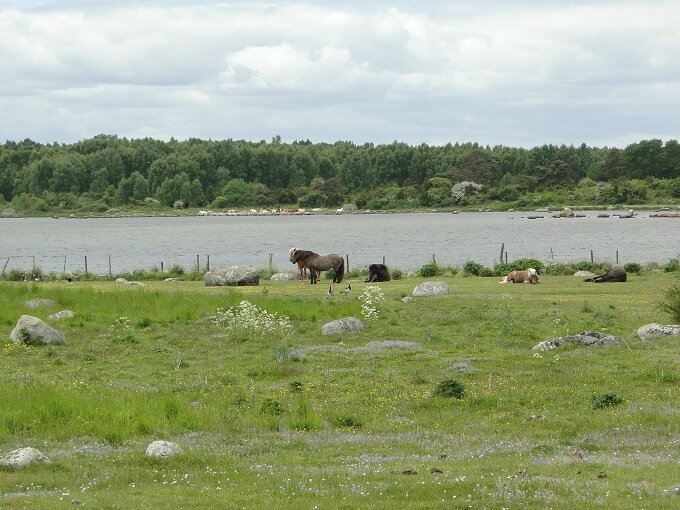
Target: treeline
{"x":107,"y":171}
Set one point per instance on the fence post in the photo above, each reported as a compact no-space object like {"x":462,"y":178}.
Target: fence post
{"x":162,"y":270}
{"x":433,"y":260}
{"x":3,"y":269}
{"x":500,"y":259}
{"x":198,"y":264}
{"x":383,"y":260}
{"x":207,"y":264}
{"x":347,"y":263}
{"x":271,"y":255}
{"x":592,"y":259}
{"x":33,"y":264}
{"x":85,"y":265}
{"x":64,"y":264}
{"x":617,"y":256}
{"x":110,"y":264}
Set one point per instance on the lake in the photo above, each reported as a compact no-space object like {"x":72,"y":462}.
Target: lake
{"x":406,"y":240}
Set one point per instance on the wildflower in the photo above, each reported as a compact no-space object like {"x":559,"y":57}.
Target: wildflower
{"x":249,"y":319}
{"x":371,"y":298}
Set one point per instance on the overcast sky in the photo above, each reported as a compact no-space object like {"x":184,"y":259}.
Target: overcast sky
{"x":516,"y":73}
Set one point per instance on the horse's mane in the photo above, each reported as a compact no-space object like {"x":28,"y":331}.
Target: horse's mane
{"x":303,"y":254}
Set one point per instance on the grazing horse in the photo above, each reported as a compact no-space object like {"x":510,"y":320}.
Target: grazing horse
{"x":301,"y":265}
{"x":315,"y":263}
{"x":528,"y":276}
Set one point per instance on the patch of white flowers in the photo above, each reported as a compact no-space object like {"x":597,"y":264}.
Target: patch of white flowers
{"x":460,"y":189}
{"x":120,"y":327}
{"x":248,"y":318}
{"x":371,"y":298}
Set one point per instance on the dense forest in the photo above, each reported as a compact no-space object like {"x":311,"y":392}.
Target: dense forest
{"x":107,"y":171}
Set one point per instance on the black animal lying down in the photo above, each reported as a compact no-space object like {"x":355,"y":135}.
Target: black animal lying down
{"x":378,"y":273}
{"x":613,"y":275}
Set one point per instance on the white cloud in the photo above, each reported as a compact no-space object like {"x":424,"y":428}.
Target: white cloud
{"x":495,"y":72}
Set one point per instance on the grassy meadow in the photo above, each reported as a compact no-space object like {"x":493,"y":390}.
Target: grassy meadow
{"x":287,"y":418}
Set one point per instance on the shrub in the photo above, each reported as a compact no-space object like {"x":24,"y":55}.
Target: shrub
{"x":671,"y":304}
{"x":397,"y":274}
{"x":519,"y":265}
{"x":351,"y":422}
{"x":632,"y":267}
{"x":450,"y":388}
{"x":429,"y":270}
{"x":476,"y":269}
{"x":672,"y":266}
{"x":606,"y":400}
{"x":272,"y":407}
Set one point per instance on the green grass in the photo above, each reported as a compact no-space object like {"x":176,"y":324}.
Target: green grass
{"x":302,"y":420}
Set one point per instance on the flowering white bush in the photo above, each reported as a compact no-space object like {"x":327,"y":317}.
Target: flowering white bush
{"x":248,"y":319}
{"x":460,"y":189}
{"x":371,"y":298}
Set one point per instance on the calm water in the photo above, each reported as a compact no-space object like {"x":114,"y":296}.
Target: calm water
{"x":405,"y":240}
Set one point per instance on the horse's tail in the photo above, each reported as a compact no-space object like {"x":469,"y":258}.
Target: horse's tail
{"x":341,"y":270}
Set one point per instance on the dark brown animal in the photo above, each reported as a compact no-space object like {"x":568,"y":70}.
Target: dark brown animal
{"x":378,"y":273}
{"x":613,"y":275}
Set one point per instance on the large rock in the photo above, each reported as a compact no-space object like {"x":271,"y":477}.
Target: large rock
{"x":40,"y":303}
{"x":23,"y":457}
{"x":344,"y":325}
{"x":586,"y":338}
{"x":566,"y":213}
{"x":654,"y":329}
{"x":584,"y":274}
{"x":9,"y":213}
{"x":431,"y":289}
{"x":128,"y":282}
{"x":283,"y":277}
{"x":163,"y":449}
{"x":31,"y":330}
{"x":232,"y":276}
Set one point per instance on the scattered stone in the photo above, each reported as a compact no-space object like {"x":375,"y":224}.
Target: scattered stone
{"x":162,"y":449}
{"x":436,"y":470}
{"x":388,"y":344}
{"x":407,"y":299}
{"x":566,"y":213}
{"x":23,"y":457}
{"x":584,"y":274}
{"x":665,"y":214}
{"x":586,"y":338}
{"x":9,"y":213}
{"x":462,"y":367}
{"x":409,"y":472}
{"x":171,"y":280}
{"x":232,"y":276}
{"x":431,"y":289}
{"x":64,"y":314}
{"x":40,"y":303}
{"x":128,"y":282}
{"x":31,"y":330}
{"x":651,"y":330}
{"x":344,"y":325}
{"x":282,"y":277}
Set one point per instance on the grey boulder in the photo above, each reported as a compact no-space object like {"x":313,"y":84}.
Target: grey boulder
{"x":163,"y":449}
{"x":344,"y":325}
{"x":32,"y":330}
{"x":431,"y":289}
{"x":23,"y":457}
{"x":232,"y":276}
{"x":654,"y":329}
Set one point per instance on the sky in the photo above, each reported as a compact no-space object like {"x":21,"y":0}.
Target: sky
{"x":513,"y":73}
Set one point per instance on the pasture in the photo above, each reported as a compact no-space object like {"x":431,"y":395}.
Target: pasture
{"x":287,"y":418}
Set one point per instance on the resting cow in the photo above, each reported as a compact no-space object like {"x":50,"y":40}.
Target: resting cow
{"x":378,"y":273}
{"x":613,"y":275}
{"x":528,"y":276}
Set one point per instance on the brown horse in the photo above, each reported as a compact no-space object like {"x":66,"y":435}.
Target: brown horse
{"x":301,"y":265}
{"x":315,"y":263}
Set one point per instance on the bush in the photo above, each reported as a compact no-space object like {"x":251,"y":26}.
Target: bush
{"x":429,"y":270}
{"x":606,"y":400}
{"x":632,"y":267}
{"x":672,"y":266}
{"x":671,"y":305}
{"x":397,"y":274}
{"x":476,"y":269}
{"x":450,"y":388}
{"x":519,"y":265}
